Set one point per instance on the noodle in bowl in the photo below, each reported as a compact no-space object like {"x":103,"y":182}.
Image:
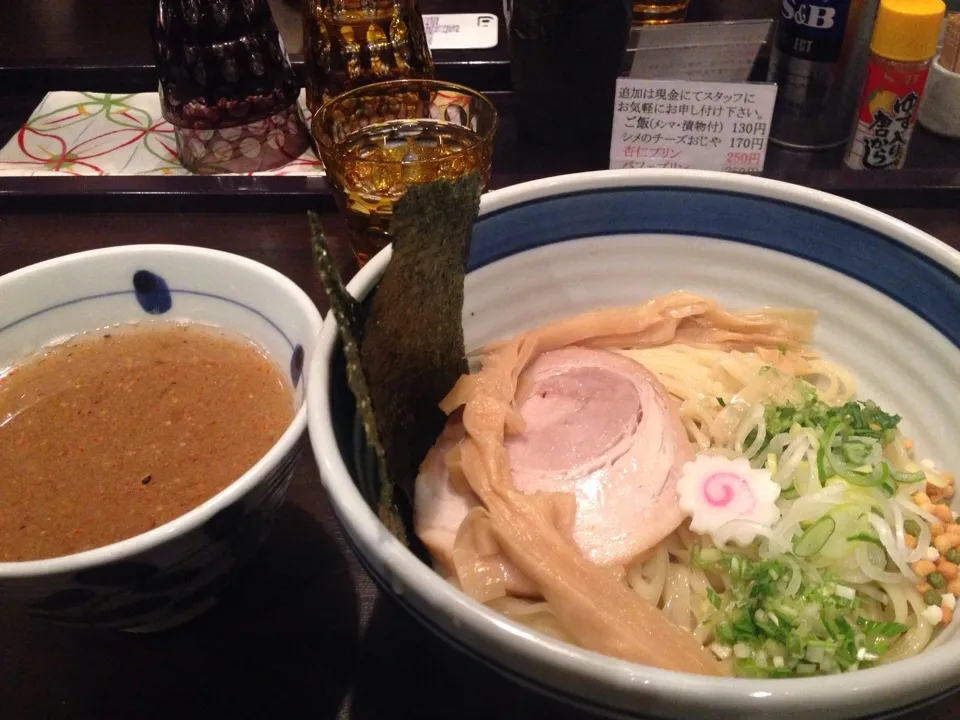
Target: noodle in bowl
{"x":552,"y":249}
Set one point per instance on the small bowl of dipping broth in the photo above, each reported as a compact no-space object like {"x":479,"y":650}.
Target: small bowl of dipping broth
{"x":151,"y":415}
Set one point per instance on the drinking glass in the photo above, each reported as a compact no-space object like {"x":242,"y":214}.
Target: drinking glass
{"x":379,"y":139}
{"x":659,"y":12}
{"x":349,"y":43}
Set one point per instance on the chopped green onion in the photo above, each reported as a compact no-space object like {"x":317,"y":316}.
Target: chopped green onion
{"x":721,"y":651}
{"x":861,"y":422}
{"x":713,"y":597}
{"x":832,"y":465}
{"x":821,"y":463}
{"x":721,"y":402}
{"x":815,"y":629}
{"x":710,"y":555}
{"x":724,"y":633}
{"x":906,"y":478}
{"x":856,"y":452}
{"x":815,"y":537}
{"x":871,"y":476}
{"x":883,"y":629}
{"x":847,"y":593}
{"x":864,"y":537}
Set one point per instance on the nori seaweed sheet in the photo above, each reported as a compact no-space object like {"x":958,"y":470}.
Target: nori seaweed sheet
{"x":346,"y":311}
{"x":404,"y":347}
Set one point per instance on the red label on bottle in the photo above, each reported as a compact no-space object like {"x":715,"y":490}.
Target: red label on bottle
{"x":888,"y":111}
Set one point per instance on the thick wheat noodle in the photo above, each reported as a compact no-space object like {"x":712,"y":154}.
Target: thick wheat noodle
{"x":593,"y":604}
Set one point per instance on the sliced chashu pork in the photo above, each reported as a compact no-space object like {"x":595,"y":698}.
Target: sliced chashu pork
{"x":439,"y":512}
{"x":598,"y":425}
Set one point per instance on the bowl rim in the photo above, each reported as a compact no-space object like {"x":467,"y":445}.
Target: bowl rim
{"x":189,"y":521}
{"x":882,"y":687}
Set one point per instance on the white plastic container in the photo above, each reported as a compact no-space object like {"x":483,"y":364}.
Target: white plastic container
{"x":940,"y":107}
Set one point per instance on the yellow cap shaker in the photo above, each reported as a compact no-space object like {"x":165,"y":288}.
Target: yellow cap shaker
{"x":903,"y":44}
{"x":907,"y":30}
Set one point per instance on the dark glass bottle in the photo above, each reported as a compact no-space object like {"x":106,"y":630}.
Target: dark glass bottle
{"x":565,"y":56}
{"x":226,"y":85}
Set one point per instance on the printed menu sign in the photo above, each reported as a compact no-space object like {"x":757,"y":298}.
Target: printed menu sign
{"x":710,"y":51}
{"x":682,"y":124}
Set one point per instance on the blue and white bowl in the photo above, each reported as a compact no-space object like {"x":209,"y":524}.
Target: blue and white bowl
{"x":174,"y":572}
{"x":889,"y":302}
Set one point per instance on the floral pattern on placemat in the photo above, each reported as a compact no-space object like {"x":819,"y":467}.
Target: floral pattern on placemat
{"x":84,"y":133}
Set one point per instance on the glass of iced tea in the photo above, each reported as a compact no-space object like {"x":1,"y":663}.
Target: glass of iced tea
{"x":659,"y":12}
{"x":379,"y":139}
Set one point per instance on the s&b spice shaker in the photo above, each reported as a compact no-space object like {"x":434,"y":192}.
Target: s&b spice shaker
{"x":819,"y":55}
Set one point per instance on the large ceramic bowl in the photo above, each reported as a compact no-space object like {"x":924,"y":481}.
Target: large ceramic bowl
{"x":889,"y":302}
{"x":174,"y":572}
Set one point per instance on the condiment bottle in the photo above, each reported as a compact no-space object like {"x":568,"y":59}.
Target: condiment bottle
{"x":818,"y":60}
{"x":940,"y":108}
{"x":564,"y":61}
{"x":903,"y":44}
{"x":226,"y":85}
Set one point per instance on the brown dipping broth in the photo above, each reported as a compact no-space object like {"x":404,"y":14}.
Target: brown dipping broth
{"x":118,"y":431}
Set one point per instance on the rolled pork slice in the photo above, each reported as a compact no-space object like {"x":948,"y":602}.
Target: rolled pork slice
{"x":598,"y":425}
{"x":439,"y":512}
{"x":439,"y":508}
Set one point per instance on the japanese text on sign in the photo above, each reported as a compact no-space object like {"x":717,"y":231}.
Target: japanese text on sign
{"x":702,"y":125}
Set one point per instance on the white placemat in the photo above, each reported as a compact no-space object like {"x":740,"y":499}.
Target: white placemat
{"x":85,"y":133}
